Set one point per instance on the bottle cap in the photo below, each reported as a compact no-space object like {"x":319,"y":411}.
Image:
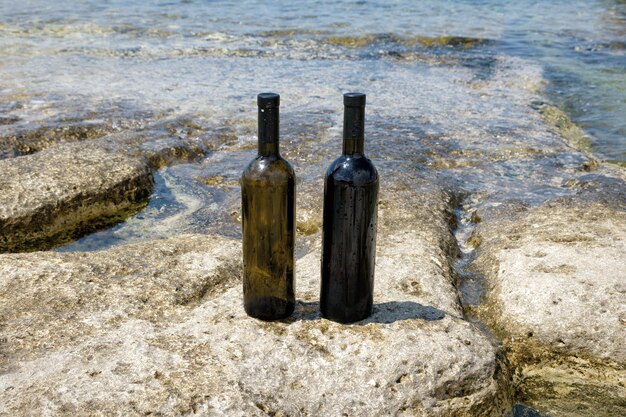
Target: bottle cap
{"x":354,"y":99}
{"x":268,"y":100}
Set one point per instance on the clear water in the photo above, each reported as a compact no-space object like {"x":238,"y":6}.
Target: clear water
{"x":461,"y":107}
{"x":173,"y":54}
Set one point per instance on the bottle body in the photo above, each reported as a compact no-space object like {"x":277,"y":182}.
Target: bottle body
{"x":268,"y":223}
{"x":268,"y":220}
{"x":349,"y":239}
{"x":349,"y":224}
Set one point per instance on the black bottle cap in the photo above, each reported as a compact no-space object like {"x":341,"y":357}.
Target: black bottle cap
{"x":268,"y":100}
{"x":354,"y":99}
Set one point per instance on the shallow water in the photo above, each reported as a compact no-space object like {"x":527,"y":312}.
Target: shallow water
{"x":89,"y":51}
{"x":452,"y":90}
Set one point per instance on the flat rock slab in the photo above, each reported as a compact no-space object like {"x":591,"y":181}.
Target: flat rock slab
{"x":557,"y":297}
{"x":66,"y":191}
{"x":159,"y":328}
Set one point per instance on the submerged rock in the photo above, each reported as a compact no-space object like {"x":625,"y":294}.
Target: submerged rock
{"x":450,"y":41}
{"x":66,"y":191}
{"x":30,"y":141}
{"x":159,"y":328}
{"x":556,"y":296}
{"x":351,"y":41}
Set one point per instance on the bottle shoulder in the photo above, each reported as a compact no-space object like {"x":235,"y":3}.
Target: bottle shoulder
{"x":355,"y":169}
{"x":268,"y":167}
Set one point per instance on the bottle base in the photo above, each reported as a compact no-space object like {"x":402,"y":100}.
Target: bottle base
{"x":346,"y":318}
{"x":269,"y":308}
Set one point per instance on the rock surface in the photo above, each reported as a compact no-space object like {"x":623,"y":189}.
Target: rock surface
{"x":556,"y":296}
{"x":65,"y":191}
{"x":158,"y":328}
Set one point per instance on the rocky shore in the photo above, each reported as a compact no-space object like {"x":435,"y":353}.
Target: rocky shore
{"x":487,"y":184}
{"x":158,"y":328}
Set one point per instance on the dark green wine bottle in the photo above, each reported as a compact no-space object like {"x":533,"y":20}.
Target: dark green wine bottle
{"x":349,"y":229}
{"x":268,"y":194}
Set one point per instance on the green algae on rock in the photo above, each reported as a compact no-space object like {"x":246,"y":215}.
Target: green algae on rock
{"x":571,"y":132}
{"x":448,"y":41}
{"x":359,"y":41}
{"x":352,"y":41}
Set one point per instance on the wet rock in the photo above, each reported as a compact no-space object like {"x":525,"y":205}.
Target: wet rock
{"x":352,"y":41}
{"x":4,"y":120}
{"x":161,"y":140}
{"x":556,"y":297}
{"x":569,"y":131}
{"x":462,"y":42}
{"x":158,"y":328}
{"x":168,"y":142}
{"x":292,"y":32}
{"x":173,"y":141}
{"x":66,"y":191}
{"x":30,"y":141}
{"x":425,"y":41}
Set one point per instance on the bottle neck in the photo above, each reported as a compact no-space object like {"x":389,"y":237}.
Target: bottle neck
{"x":268,"y":131}
{"x":353,"y":130}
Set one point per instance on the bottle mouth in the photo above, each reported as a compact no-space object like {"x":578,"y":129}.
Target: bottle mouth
{"x":354,"y":99}
{"x":268,"y":100}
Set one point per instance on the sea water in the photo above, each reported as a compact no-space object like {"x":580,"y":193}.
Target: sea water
{"x":453,"y":88}
{"x":187,"y":55}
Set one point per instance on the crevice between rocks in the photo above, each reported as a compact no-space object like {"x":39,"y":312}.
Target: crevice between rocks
{"x":471,"y":286}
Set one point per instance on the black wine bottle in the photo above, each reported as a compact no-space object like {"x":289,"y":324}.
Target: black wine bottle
{"x":349,"y":229}
{"x":268,"y":214}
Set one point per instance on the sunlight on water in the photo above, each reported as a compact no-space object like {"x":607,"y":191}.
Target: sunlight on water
{"x":48,"y":46}
{"x":450,"y":89}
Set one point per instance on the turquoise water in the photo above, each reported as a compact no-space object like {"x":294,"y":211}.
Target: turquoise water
{"x":51,"y":47}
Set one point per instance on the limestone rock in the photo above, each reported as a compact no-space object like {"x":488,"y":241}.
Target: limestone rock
{"x":66,"y":191}
{"x":556,"y":295}
{"x":159,"y":328}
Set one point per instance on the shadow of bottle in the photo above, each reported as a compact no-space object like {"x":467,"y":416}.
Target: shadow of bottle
{"x":383,"y":313}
